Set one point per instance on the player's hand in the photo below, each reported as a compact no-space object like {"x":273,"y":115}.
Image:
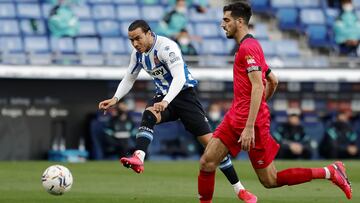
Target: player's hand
{"x":161,"y":106}
{"x":106,"y":104}
{"x":247,"y":138}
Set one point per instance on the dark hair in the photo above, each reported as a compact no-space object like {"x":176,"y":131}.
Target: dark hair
{"x":139,"y":24}
{"x":240,"y":9}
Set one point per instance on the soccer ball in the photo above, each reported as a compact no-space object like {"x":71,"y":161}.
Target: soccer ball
{"x":57,"y":180}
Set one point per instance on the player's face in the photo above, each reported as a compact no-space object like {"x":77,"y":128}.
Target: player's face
{"x":229,"y":24}
{"x":140,"y":39}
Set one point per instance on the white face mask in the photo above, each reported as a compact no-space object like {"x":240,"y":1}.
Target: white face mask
{"x":184,"y":41}
{"x":347,"y":7}
{"x":215,"y":115}
{"x":181,"y":9}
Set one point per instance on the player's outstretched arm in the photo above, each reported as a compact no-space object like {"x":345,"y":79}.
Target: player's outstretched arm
{"x":106,"y":104}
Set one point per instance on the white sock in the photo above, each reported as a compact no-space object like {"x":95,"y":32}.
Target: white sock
{"x":327,"y":173}
{"x":140,"y":154}
{"x":237,"y":187}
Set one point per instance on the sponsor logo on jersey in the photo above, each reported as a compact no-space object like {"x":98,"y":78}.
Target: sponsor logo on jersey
{"x":250,"y":59}
{"x":173,"y":57}
{"x":158,"y":72}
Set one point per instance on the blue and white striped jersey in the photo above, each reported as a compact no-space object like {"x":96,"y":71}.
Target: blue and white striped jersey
{"x":163,"y":55}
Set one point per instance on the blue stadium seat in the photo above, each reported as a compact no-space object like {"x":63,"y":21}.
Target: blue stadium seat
{"x":108,"y":28}
{"x":261,"y":31}
{"x":308,"y":4}
{"x":312,"y":16}
{"x":99,"y":1}
{"x":317,"y":62}
{"x":103,"y":11}
{"x":318,"y":35}
{"x":26,"y":28}
{"x":124,"y":28}
{"x":7,"y":10}
{"x":82,"y":12}
{"x":276,"y":4}
{"x":87,"y":27}
{"x":36,"y":44}
{"x":287,"y":48}
{"x":63,"y":45}
{"x":87,"y":45}
{"x":152,"y":13}
{"x":113,"y":45}
{"x":11,"y":44}
{"x":207,"y":29}
{"x":9,"y":27}
{"x":268,"y":47}
{"x":125,"y":1}
{"x":260,"y":5}
{"x":356,"y":3}
{"x":46,"y":8}
{"x":28,"y":10}
{"x":128,"y":12}
{"x":213,"y":46}
{"x":288,"y":18}
{"x":331,"y":15}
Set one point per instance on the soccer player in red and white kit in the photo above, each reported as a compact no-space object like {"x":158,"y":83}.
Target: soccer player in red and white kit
{"x":246,"y":124}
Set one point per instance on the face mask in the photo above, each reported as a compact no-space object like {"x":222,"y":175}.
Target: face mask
{"x":347,"y":7}
{"x":184,"y":41}
{"x":215,"y":116}
{"x":181,"y":9}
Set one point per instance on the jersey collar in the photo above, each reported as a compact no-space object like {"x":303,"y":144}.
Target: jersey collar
{"x":152,"y":47}
{"x":246,"y":37}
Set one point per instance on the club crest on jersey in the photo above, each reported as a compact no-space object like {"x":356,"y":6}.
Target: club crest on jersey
{"x":250,"y":59}
{"x":157,"y":61}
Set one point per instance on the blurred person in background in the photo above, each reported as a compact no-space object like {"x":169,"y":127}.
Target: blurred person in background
{"x":347,"y":29}
{"x":199,"y":5}
{"x":340,"y":139}
{"x":294,"y":142}
{"x":62,"y":20}
{"x":174,"y":21}
{"x":118,"y":131}
{"x":214,"y":115}
{"x":184,"y":41}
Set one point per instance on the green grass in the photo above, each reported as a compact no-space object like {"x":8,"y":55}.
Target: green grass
{"x":162,"y":182}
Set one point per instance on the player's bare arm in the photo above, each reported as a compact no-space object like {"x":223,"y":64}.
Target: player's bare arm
{"x":247,"y":137}
{"x":271,"y":85}
{"x":106,"y":104}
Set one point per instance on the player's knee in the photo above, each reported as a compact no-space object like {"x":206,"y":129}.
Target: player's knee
{"x":148,"y":120}
{"x":206,"y":164}
{"x":268,"y":182}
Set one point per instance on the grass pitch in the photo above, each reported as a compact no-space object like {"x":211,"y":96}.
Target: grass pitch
{"x":162,"y":182}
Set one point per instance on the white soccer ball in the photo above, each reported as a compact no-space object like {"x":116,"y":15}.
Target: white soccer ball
{"x":57,"y":180}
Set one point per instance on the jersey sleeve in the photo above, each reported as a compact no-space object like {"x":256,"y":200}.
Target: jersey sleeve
{"x":171,"y":54}
{"x":250,"y":58}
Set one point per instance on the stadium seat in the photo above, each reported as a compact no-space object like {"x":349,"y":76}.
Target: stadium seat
{"x":287,"y":18}
{"x":260,"y":5}
{"x":261,"y":31}
{"x":287,"y":48}
{"x":45,"y":9}
{"x":9,"y":27}
{"x":207,"y":29}
{"x":125,"y":1}
{"x":36,"y":44}
{"x":63,"y":45}
{"x":317,"y":35}
{"x":128,"y":12}
{"x":99,"y":1}
{"x":87,"y":27}
{"x":103,"y":11}
{"x":268,"y":47}
{"x":308,"y":4}
{"x":7,"y":10}
{"x":108,"y":28}
{"x":356,"y":3}
{"x":11,"y":44}
{"x":28,"y":10}
{"x":82,"y":12}
{"x":331,"y":15}
{"x":87,"y":45}
{"x":312,"y":16}
{"x":152,"y":13}
{"x":113,"y":46}
{"x":124,"y":28}
{"x":276,"y":4}
{"x":25,"y":27}
{"x":213,"y":46}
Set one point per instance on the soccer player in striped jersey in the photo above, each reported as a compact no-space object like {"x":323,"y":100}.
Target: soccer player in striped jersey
{"x":175,"y":97}
{"x":246,"y":126}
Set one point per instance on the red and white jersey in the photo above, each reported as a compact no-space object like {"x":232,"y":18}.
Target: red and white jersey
{"x":250,"y":57}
